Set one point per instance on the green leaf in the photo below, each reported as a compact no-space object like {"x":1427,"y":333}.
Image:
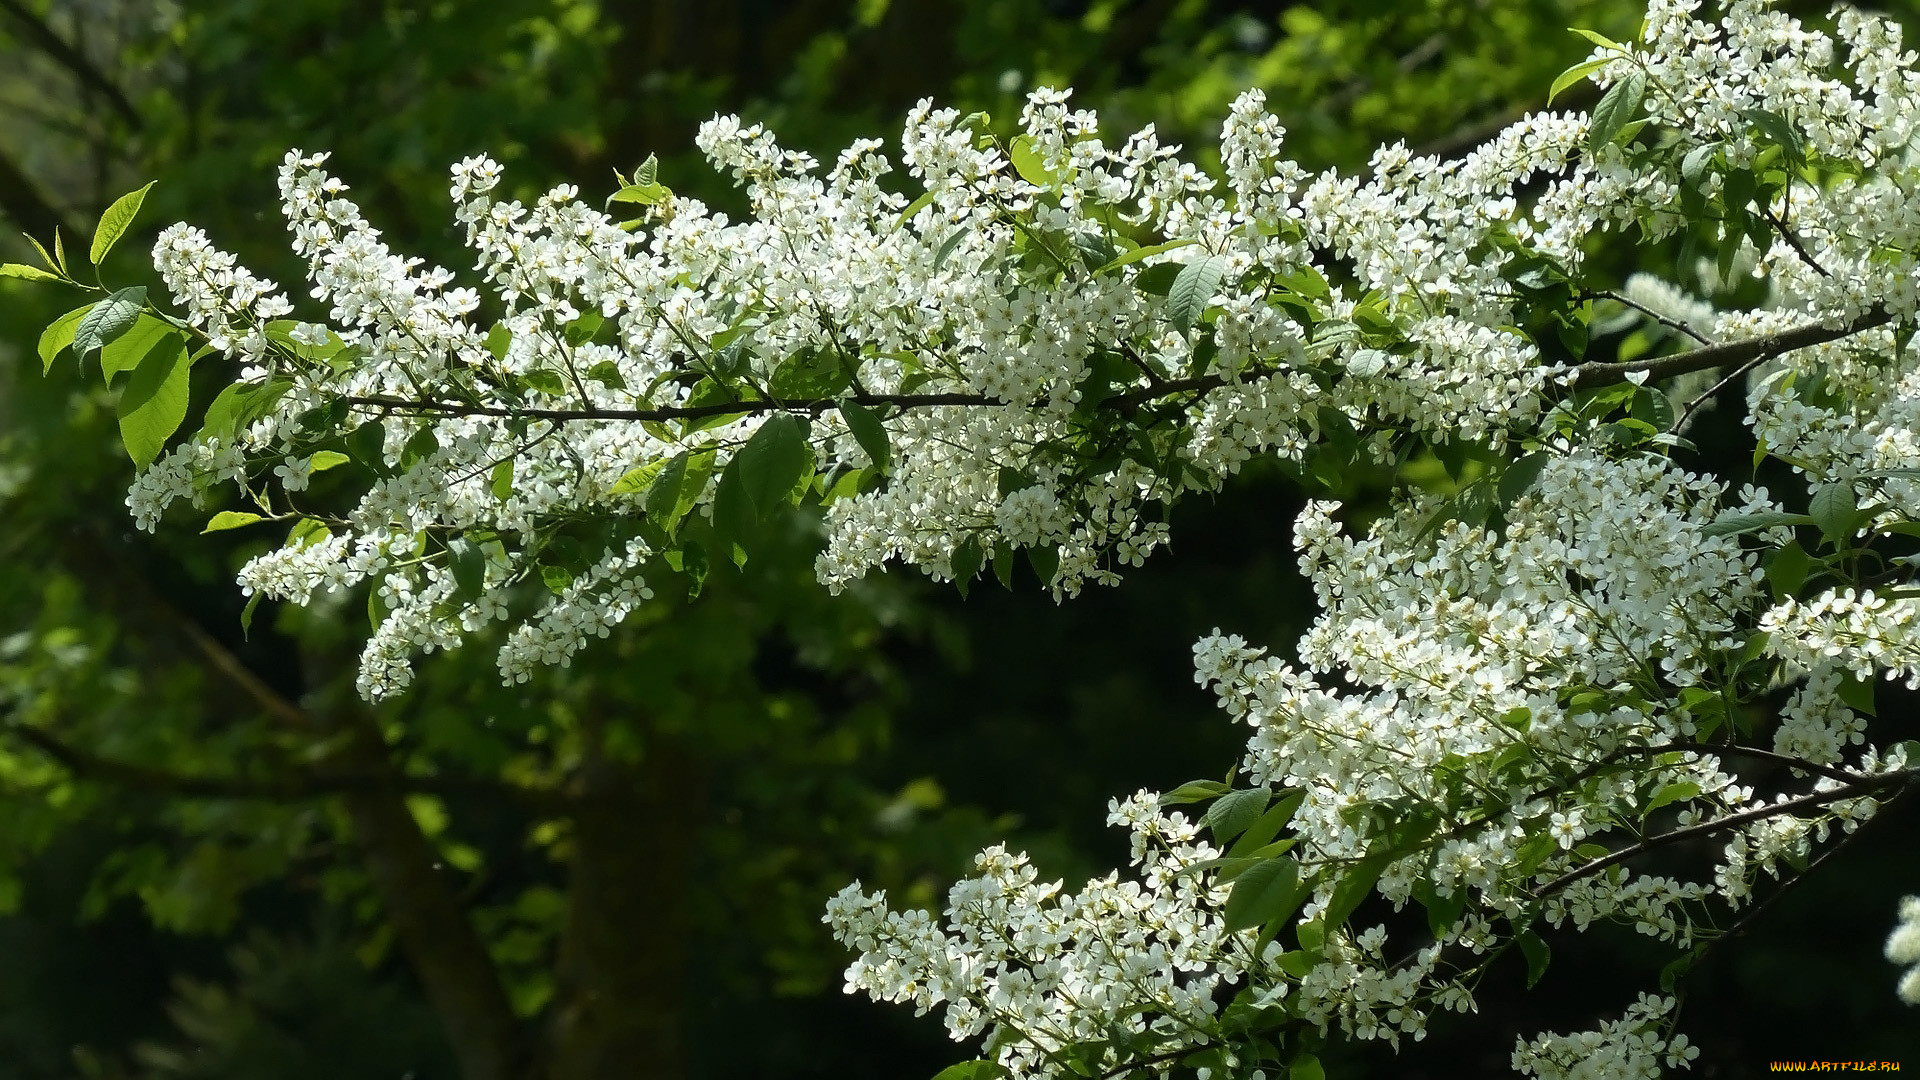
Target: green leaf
{"x":154,"y":402}
{"x":115,"y":222}
{"x":556,"y":578}
{"x":501,"y":482}
{"x":1678,"y":791}
{"x":468,"y":564}
{"x":642,"y":194}
{"x":1598,"y":38}
{"x":1265,"y":892}
{"x":672,"y":493}
{"x":1234,"y":811}
{"x":1577,"y":73}
{"x":1306,"y":1067}
{"x":966,"y":562}
{"x":1520,"y":477}
{"x":1026,"y":162}
{"x":972,"y":1070}
{"x":1262,"y":832}
{"x":230,"y":519}
{"x":1192,"y":289}
{"x":26,"y":273}
{"x":1619,"y":105}
{"x":925,"y":200}
{"x":59,"y":334}
{"x":327,"y":459}
{"x":1193,"y":792}
{"x":1352,"y":889}
{"x":773,"y":461}
{"x":1534,"y":948}
{"x":246,"y":613}
{"x":126,"y":351}
{"x":1787,"y":570}
{"x":648,"y":171}
{"x":1146,"y":252}
{"x":1858,"y":695}
{"x":1046,"y":562}
{"x":108,"y":320}
{"x":1777,"y":131}
{"x":1834,"y":509}
{"x":868,"y":431}
{"x":1157,"y":280}
{"x":1737,"y":524}
{"x":1694,"y":165}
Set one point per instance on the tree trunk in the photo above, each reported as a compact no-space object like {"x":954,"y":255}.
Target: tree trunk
{"x":621,"y":975}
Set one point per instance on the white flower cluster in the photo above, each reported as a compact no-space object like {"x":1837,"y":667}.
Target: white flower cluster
{"x":1634,"y":1047}
{"x":1508,"y":699}
{"x":1903,"y":947}
{"x":1509,"y":692}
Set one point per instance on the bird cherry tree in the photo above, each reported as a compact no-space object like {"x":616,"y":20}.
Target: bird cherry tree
{"x":1578,"y":646}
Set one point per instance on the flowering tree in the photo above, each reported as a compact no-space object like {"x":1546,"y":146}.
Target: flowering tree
{"x":1558,"y":653}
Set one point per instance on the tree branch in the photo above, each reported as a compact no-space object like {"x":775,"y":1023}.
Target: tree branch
{"x":21,"y":200}
{"x":1592,"y":376}
{"x":61,"y":52}
{"x":1731,"y":821}
{"x":298,"y":786}
{"x":1585,"y":377}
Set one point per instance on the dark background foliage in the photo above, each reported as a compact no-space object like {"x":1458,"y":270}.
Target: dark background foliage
{"x":754,"y":748}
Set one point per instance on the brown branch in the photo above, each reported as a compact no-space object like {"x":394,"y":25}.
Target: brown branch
{"x":22,"y":201}
{"x":1595,"y":375}
{"x":1829,"y":771}
{"x":1585,"y":377}
{"x":1793,"y":241}
{"x":297,"y":786}
{"x":1671,"y":324}
{"x":1731,"y":821}
{"x":67,"y":56}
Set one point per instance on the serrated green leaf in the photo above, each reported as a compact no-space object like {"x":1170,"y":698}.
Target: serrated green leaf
{"x":1027,"y":163}
{"x":126,"y":351}
{"x":468,"y":564}
{"x":868,"y":431}
{"x":1192,"y":288}
{"x":641,"y":194}
{"x":108,"y":320}
{"x":1835,"y":510}
{"x":1520,"y":477}
{"x":773,"y":461}
{"x":59,"y":334}
{"x":1230,"y":815}
{"x":1193,"y":792}
{"x":1858,"y":695}
{"x":972,"y":1070}
{"x":1534,"y":948}
{"x":115,"y":222}
{"x":1354,"y":886}
{"x":1678,"y":791}
{"x":1617,"y":108}
{"x":230,"y":519}
{"x":967,"y":559}
{"x":1576,"y":73}
{"x":1736,"y":524}
{"x":154,"y":402}
{"x":1264,"y":893}
{"x":26,"y":273}
{"x":1145,"y":252}
{"x":1598,"y":38}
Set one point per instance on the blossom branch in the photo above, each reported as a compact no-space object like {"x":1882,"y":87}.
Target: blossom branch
{"x":1596,"y":375}
{"x":1864,"y":786}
